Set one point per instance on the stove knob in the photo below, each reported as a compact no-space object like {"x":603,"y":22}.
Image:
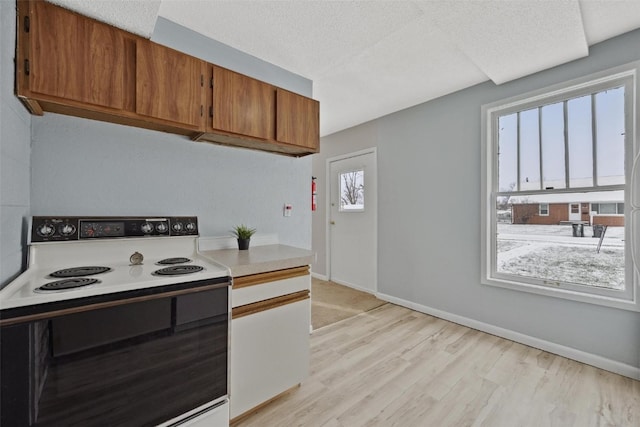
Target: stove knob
{"x":177,"y":226}
{"x":162,"y":227}
{"x":67,"y":229}
{"x":146,"y":227}
{"x":45,"y":230}
{"x":191,"y":226}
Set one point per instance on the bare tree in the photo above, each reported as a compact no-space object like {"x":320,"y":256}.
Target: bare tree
{"x":504,"y":202}
{"x":352,"y":189}
{"x":526,"y":210}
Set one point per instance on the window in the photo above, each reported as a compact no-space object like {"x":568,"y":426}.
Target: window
{"x":608,"y":208}
{"x":543,"y":209}
{"x":561,"y":148}
{"x":352,"y":191}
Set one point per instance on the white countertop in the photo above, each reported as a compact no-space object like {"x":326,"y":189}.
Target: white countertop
{"x":260,"y":259}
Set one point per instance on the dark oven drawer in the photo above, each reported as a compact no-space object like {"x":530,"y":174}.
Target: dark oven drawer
{"x":138,"y":361}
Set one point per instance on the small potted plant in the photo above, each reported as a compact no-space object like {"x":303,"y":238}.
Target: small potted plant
{"x":243,"y":234}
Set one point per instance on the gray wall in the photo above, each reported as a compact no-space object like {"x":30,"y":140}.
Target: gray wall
{"x":429,"y":155}
{"x":85,"y":167}
{"x":15,"y":149}
{"x":347,"y":141}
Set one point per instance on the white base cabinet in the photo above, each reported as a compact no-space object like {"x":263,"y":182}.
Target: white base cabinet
{"x":269,"y":348}
{"x":217,"y":416}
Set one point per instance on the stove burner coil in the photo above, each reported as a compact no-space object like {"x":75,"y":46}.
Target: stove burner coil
{"x":66,"y":284}
{"x":177,"y":270}
{"x":79,"y":271}
{"x":171,"y":261}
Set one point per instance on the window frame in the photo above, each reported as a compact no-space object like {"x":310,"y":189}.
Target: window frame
{"x":341,"y":208}
{"x":625,"y":75}
{"x":540,"y":209}
{"x":617,"y":208}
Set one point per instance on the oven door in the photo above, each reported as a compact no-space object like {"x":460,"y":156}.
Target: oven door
{"x":136,"y":358}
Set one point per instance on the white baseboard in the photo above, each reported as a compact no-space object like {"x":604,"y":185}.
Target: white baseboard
{"x":568,"y":352}
{"x":319,"y":276}
{"x":352,"y":286}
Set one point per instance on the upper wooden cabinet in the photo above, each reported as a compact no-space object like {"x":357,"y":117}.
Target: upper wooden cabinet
{"x":63,"y":56}
{"x":241,"y":105}
{"x":246,"y":112}
{"x":298,"y":120}
{"x":70,"y":64}
{"x":169,"y":84}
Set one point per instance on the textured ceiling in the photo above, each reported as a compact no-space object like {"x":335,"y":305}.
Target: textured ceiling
{"x":136,"y":16}
{"x":371,"y":58}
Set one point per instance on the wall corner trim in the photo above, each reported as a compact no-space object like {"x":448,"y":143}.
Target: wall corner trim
{"x":560,"y":350}
{"x":319,"y":276}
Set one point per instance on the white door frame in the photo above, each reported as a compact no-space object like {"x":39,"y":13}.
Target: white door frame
{"x":374,"y":151}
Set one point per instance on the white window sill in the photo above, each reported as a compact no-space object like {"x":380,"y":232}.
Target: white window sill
{"x":607,"y":301}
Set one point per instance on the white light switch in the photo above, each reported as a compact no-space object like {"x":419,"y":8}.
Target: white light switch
{"x":287,"y":210}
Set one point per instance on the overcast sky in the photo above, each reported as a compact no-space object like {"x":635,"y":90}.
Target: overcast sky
{"x":609,"y":137}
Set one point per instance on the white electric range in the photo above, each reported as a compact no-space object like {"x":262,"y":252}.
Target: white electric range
{"x":97,"y":288}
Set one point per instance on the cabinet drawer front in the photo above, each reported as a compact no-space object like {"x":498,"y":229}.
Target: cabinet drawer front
{"x":265,"y":291}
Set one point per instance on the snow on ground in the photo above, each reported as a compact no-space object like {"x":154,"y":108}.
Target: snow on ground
{"x":551,"y":252}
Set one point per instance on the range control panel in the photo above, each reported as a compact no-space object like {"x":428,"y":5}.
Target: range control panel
{"x":60,"y":229}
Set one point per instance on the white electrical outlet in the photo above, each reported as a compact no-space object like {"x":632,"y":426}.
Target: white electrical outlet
{"x":287,"y":210}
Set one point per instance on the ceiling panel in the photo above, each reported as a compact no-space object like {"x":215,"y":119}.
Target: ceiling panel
{"x":305,"y":37}
{"x":512,"y":39}
{"x":414,"y":64}
{"x":606,"y":19}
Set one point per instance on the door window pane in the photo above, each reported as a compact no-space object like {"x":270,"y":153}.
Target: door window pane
{"x":352,"y":191}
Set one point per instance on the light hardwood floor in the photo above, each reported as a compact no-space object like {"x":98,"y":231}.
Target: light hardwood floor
{"x":395,"y":367}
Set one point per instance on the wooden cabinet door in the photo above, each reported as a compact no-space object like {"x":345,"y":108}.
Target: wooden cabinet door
{"x":76,"y":58}
{"x":298,"y":120}
{"x":242,"y":105}
{"x":169,"y":85}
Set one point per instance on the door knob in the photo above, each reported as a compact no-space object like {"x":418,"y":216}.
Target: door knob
{"x":332,"y":222}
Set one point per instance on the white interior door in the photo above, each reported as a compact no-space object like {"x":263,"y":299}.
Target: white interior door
{"x":353,"y":220}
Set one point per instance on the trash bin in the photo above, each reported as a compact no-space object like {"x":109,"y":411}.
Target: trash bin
{"x":597,"y":230}
{"x":578,"y":230}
